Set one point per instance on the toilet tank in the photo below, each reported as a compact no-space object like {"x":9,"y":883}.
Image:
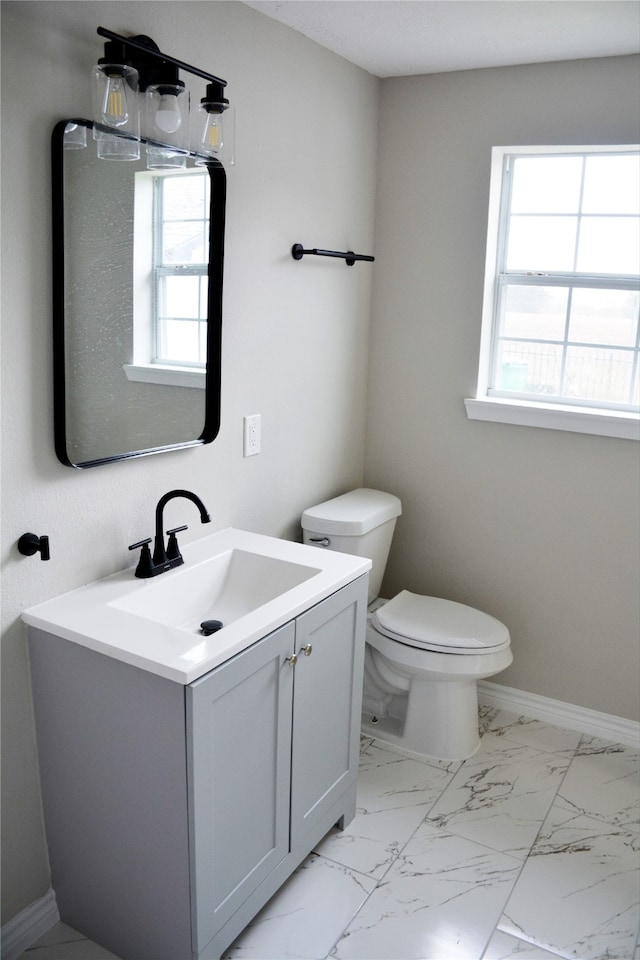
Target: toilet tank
{"x":361,"y":523}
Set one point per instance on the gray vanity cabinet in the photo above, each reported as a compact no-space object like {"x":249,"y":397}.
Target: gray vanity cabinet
{"x":326,"y":709}
{"x":174,"y":813}
{"x":273,"y":758}
{"x":239,"y":745}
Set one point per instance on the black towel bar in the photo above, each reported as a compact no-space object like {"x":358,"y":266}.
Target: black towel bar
{"x":297,"y":252}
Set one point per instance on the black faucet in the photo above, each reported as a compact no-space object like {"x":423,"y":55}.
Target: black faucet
{"x":165,"y":559}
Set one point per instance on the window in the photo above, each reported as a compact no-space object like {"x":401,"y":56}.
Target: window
{"x":170,"y":277}
{"x":561,"y":331}
{"x":180,"y":266}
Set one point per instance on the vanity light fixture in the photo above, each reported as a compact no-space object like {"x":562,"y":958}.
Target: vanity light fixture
{"x":134,"y":71}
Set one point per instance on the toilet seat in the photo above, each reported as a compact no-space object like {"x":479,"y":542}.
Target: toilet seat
{"x":444,"y":626}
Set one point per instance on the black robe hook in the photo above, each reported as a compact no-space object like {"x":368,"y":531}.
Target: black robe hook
{"x":30,"y":543}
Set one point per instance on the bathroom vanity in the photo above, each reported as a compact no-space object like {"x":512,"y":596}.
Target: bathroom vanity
{"x":176,"y":806}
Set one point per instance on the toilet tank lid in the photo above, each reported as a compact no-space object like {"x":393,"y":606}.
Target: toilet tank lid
{"x":352,"y":514}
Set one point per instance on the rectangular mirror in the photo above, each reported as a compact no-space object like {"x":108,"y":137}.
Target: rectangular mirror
{"x":137,"y":298}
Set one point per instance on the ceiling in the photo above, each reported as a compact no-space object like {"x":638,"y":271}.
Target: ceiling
{"x":391,"y":38}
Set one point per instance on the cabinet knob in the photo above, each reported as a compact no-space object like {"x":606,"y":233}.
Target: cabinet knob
{"x":308,"y":650}
{"x":292,"y":660}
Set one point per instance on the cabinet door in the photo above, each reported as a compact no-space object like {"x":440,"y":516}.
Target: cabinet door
{"x":327,"y":706}
{"x":239,"y":743}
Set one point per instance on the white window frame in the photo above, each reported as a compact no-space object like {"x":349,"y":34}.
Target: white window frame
{"x":164,"y":268}
{"x":146,"y":368}
{"x":490,"y":405}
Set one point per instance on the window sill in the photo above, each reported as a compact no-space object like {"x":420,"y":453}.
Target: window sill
{"x":166,"y":375}
{"x":603,"y":423}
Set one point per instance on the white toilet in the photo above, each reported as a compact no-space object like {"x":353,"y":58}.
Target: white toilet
{"x":424,"y":655}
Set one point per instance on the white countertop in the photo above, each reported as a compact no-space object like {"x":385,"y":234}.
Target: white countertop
{"x":93,"y":617}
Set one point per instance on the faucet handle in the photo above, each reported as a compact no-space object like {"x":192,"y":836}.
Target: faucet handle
{"x":173,"y":550}
{"x":145,"y":566}
{"x":141,"y":543}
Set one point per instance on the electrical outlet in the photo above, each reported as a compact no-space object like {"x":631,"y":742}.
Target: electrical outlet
{"x":251,"y":432}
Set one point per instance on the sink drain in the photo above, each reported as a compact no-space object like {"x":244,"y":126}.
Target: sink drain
{"x":207,"y":627}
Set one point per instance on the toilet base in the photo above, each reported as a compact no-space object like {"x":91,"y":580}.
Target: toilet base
{"x":436,"y":719}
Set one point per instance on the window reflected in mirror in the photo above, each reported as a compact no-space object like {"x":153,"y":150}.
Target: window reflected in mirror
{"x":171,"y":258}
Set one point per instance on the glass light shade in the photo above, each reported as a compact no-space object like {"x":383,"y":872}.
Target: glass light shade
{"x":111,"y":146}
{"x":212,"y":139}
{"x":166,"y":115}
{"x":164,"y":158}
{"x":216,"y":139}
{"x":74,"y":137}
{"x":115,"y":97}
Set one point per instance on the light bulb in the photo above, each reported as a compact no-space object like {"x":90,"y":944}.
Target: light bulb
{"x":115,"y":109}
{"x":212,"y":140}
{"x":167,"y":116}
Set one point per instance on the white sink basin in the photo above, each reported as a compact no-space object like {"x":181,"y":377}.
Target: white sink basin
{"x":227,"y":587}
{"x":250,"y":582}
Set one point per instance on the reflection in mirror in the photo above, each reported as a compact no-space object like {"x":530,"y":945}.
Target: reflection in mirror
{"x":137,"y":303}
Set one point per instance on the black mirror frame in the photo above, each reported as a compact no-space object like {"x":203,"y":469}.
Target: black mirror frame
{"x":214,"y":310}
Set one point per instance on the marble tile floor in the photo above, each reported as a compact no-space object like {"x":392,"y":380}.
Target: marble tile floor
{"x":530,"y":850}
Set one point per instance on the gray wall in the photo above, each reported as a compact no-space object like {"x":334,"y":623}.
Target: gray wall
{"x":538,"y":527}
{"x":295,"y":334}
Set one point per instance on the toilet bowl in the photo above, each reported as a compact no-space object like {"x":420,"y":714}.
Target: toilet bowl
{"x":423,"y":655}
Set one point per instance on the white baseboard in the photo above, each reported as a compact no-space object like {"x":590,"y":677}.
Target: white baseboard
{"x":560,"y":714}
{"x":29,"y":925}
